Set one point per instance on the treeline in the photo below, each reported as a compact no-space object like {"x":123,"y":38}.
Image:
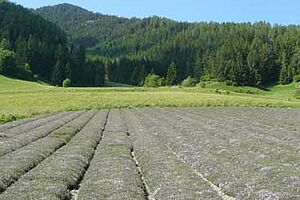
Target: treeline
{"x":33,"y":48}
{"x":240,"y":54}
{"x":86,"y":28}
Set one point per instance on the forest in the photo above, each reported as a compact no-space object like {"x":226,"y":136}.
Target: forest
{"x":34,"y":48}
{"x":258,"y":54}
{"x":86,"y":47}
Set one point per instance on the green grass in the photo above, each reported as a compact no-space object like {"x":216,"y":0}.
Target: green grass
{"x":20,"y":99}
{"x":114,"y":84}
{"x":10,"y":84}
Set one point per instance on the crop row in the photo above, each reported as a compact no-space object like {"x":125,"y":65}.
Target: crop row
{"x":24,"y":128}
{"x":243,"y":162}
{"x":265,"y":162}
{"x":153,"y":154}
{"x":59,"y":173}
{"x":17,"y":163}
{"x":10,"y":125}
{"x":278,"y":125}
{"x":165,"y":175}
{"x":20,"y":140}
{"x":113,"y":173}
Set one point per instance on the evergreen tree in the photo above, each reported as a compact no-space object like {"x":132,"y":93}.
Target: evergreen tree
{"x":141,"y":75}
{"x":171,"y":75}
{"x":57,"y":76}
{"x":21,"y":52}
{"x":7,"y":62}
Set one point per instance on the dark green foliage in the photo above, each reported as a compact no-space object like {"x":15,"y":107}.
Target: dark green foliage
{"x":4,"y":118}
{"x":93,"y":72}
{"x":57,"y":74}
{"x":141,"y":75}
{"x":99,"y":72}
{"x":244,"y":54}
{"x":162,"y":81}
{"x":79,"y":22}
{"x":4,"y":44}
{"x":171,"y":75}
{"x":7,"y":62}
{"x":30,"y":45}
{"x":297,"y":78}
{"x":67,"y":83}
{"x":128,"y":70}
{"x":33,"y":39}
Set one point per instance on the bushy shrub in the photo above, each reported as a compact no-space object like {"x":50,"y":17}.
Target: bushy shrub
{"x":152,"y":80}
{"x":66,"y":83}
{"x":24,"y":72}
{"x":162,"y":81}
{"x":189,"y":82}
{"x":7,"y":61}
{"x":201,"y":84}
{"x":206,"y":78}
{"x":9,"y":117}
{"x":297,"y":78}
{"x":229,"y":82}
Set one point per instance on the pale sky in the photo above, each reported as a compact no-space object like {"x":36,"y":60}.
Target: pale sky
{"x":273,"y":11}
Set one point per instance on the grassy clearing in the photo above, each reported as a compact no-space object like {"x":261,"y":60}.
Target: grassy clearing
{"x":20,"y":99}
{"x":10,"y":84}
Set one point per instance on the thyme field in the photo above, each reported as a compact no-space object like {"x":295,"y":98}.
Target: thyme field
{"x":153,"y":153}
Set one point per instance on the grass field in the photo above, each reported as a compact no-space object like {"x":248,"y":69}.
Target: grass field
{"x":20,"y":99}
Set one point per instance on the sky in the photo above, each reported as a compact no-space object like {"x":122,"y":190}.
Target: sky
{"x":274,"y":11}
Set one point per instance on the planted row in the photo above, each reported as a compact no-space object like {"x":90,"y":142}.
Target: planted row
{"x":17,"y":163}
{"x":10,"y":125}
{"x":18,"y":141}
{"x":59,"y":173}
{"x":165,"y":175}
{"x":31,"y":125}
{"x":266,"y":164}
{"x":113,"y":173}
{"x":242,"y":161}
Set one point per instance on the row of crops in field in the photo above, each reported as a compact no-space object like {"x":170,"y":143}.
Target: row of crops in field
{"x":208,"y":153}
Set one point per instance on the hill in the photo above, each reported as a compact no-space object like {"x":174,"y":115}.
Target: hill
{"x":241,"y":54}
{"x":34,"y":48}
{"x":95,"y":29}
{"x":85,"y":27}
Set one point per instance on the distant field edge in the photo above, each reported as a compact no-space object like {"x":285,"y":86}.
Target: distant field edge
{"x":11,"y":117}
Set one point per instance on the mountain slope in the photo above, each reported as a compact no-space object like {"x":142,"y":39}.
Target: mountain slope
{"x":241,"y":54}
{"x":85,"y":27}
{"x":34,"y":48}
{"x":30,"y":42}
{"x":95,"y":29}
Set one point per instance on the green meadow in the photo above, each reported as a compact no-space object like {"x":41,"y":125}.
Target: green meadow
{"x":19,"y":99}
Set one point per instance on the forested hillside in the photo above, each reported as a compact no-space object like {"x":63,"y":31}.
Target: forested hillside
{"x":243,"y":54}
{"x":33,"y":48}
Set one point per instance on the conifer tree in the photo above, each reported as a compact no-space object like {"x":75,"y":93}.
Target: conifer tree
{"x":171,"y":75}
